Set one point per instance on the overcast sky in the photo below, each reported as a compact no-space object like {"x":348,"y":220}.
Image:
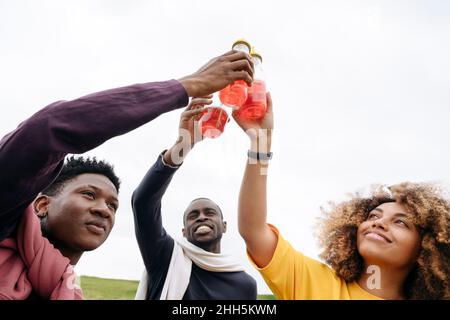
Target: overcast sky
{"x":361,"y":93}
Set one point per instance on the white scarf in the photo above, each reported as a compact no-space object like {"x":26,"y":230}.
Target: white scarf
{"x":179,"y":273}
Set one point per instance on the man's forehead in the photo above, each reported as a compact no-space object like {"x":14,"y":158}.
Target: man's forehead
{"x":95,"y":180}
{"x":201,"y":204}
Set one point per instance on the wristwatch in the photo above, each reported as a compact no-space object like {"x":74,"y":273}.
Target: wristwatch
{"x":259,"y":155}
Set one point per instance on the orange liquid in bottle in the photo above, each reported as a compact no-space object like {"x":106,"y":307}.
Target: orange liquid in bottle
{"x":255,"y":106}
{"x":212,"y":122}
{"x":235,"y":94}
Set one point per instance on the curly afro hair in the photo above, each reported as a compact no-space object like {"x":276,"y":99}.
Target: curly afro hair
{"x":429,"y":279}
{"x":74,"y":167}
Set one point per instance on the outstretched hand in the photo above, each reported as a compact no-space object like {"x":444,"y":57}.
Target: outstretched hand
{"x":188,"y":128}
{"x":254,"y":128}
{"x":188,"y":131}
{"x":218,"y":73}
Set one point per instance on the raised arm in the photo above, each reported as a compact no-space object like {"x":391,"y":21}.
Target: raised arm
{"x":154,"y":243}
{"x":32,"y":155}
{"x":261,"y":241}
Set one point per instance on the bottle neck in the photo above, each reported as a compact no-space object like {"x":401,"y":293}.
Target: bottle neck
{"x":257,"y":63}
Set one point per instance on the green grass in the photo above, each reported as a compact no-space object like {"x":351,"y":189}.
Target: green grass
{"x":115,"y":289}
{"x":266,"y":297}
{"x":108,"y":289}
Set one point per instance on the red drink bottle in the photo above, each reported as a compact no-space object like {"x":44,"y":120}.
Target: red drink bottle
{"x":235,"y":94}
{"x":212,"y":121}
{"x":255,"y":106}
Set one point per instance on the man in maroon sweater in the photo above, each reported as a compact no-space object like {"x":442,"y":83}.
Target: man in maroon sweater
{"x":32,"y":156}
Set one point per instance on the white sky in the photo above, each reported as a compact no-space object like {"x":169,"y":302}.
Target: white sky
{"x":360,"y":89}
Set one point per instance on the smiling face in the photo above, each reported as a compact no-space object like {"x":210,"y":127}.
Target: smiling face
{"x":203,"y":223}
{"x":81,"y":216}
{"x":389,"y":237}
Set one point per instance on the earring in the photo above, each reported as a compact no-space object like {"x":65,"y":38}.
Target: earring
{"x":44,"y":215}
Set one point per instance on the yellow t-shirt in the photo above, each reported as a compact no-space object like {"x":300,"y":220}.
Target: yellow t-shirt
{"x":292,"y":276}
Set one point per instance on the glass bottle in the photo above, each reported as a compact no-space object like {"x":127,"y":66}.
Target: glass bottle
{"x":255,"y":106}
{"x":235,"y":94}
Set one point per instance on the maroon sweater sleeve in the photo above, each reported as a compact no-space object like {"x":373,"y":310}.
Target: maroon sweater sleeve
{"x":32,"y":155}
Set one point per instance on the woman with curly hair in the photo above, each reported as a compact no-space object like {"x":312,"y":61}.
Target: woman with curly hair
{"x":393,"y":244}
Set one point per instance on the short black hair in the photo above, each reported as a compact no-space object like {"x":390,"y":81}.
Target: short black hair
{"x":202,"y":198}
{"x":73,"y":167}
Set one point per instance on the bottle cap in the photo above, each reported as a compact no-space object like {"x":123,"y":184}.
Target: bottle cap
{"x":244,"y":42}
{"x":253,"y":53}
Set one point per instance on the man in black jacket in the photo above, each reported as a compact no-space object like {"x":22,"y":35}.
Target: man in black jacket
{"x":193,"y":268}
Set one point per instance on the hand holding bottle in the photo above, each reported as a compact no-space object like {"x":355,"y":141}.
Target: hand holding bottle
{"x":258,"y":129}
{"x":235,"y":94}
{"x":219,"y":73}
{"x":188,"y":131}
